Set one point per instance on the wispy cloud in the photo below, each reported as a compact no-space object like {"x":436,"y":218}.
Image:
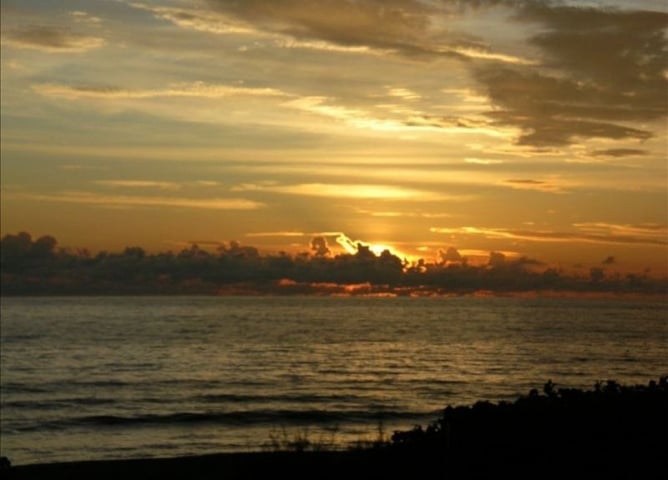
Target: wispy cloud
{"x":619,"y":152}
{"x":399,"y":214}
{"x":654,"y":231}
{"x":84,"y":17}
{"x":482,"y":161}
{"x":194,"y":89}
{"x":403,"y":93}
{"x":139,"y":184}
{"x":356,"y":191}
{"x":51,"y":39}
{"x":197,"y":19}
{"x":415,"y":122}
{"x":89,"y":198}
{"x":283,"y":42}
{"x":276,"y":234}
{"x":598,"y":233}
{"x":531,"y":184}
{"x":482,"y":54}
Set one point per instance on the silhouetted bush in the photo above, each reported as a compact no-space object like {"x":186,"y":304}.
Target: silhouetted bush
{"x":625,"y":425}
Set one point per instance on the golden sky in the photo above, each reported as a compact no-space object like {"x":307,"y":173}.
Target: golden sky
{"x":532,"y":128}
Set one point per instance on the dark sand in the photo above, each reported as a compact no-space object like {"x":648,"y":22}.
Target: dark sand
{"x":383,"y":463}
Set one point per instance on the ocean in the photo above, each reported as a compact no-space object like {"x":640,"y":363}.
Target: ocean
{"x":122,"y":377}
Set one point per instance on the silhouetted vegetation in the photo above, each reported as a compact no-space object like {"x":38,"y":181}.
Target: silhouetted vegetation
{"x":609,"y":420}
{"x":39,"y":267}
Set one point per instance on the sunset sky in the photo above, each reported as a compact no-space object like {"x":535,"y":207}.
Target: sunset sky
{"x":532,"y":128}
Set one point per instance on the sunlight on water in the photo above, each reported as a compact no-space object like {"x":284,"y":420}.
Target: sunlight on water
{"x":127,"y":377}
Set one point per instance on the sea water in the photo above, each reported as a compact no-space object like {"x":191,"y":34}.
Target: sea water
{"x":122,"y":377}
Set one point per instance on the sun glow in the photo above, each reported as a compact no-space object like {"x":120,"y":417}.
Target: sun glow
{"x":353,"y":247}
{"x":379,"y":248}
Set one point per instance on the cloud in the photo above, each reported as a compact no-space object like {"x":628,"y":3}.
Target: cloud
{"x":497,"y":259}
{"x":651,"y":231}
{"x":319,"y":246}
{"x":193,"y":89}
{"x":324,"y":46}
{"x":619,"y":152}
{"x":143,"y":201}
{"x":197,"y":19}
{"x":451,"y":255}
{"x":596,"y":233}
{"x":406,"y":214}
{"x":51,"y":39}
{"x":387,"y":25}
{"x":484,"y":54}
{"x":405,"y":27}
{"x":84,"y":17}
{"x":139,"y":184}
{"x":609,"y":261}
{"x":613,"y":48}
{"x":275,"y":234}
{"x":554,"y":111}
{"x":530,"y":184}
{"x":482,"y":161}
{"x":601,"y":75}
{"x":403,"y":93}
{"x":356,"y":191}
{"x":215,"y":22}
{"x":414,"y":123}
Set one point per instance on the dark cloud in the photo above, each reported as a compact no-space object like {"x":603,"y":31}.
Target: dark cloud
{"x":451,"y":255}
{"x":394,"y":25}
{"x":599,"y":72}
{"x":624,"y":49}
{"x":319,"y":246}
{"x":619,"y":152}
{"x":440,"y":121}
{"x":600,"y":69}
{"x":553,"y":111}
{"x":609,"y":261}
{"x":496,"y":259}
{"x":50,"y":38}
{"x":36,"y":266}
{"x":526,"y":181}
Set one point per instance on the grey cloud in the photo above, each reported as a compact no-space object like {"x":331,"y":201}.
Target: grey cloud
{"x":609,"y":261}
{"x":619,"y":152}
{"x":553,"y":111}
{"x":600,"y":69}
{"x":435,"y":121}
{"x":619,"y":51}
{"x":319,"y":246}
{"x":395,"y":25}
{"x":526,"y":181}
{"x":52,"y":39}
{"x":497,"y":259}
{"x":451,"y":255}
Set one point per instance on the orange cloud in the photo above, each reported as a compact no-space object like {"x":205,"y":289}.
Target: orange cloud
{"x":588,"y":233}
{"x":143,"y":201}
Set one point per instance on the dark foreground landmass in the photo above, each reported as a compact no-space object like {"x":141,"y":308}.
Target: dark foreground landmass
{"x":612,"y":431}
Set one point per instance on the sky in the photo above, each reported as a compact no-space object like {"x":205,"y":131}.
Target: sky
{"x":531,"y":128}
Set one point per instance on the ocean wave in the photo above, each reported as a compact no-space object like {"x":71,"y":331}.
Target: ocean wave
{"x":57,"y":403}
{"x":235,"y":418}
{"x":282,"y":398}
